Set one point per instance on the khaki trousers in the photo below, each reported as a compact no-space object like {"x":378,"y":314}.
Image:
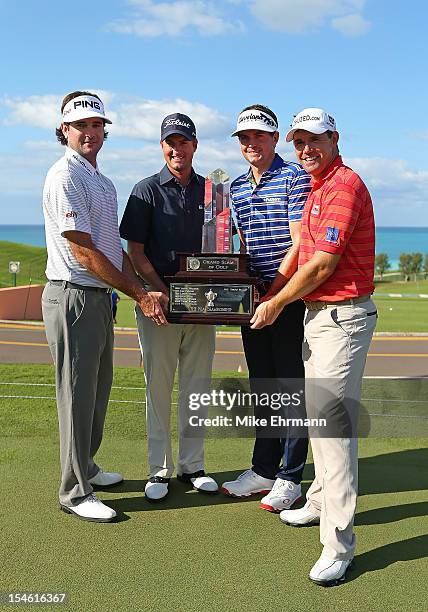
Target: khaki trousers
{"x":191,"y":347}
{"x":335,"y":348}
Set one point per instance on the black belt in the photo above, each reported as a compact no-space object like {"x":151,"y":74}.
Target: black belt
{"x":68,"y":285}
{"x":321,"y":305}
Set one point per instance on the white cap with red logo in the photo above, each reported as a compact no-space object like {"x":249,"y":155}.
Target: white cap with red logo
{"x":314,"y":120}
{"x":83,"y":107}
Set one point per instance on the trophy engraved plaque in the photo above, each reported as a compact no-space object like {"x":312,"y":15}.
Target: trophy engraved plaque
{"x":213,"y":286}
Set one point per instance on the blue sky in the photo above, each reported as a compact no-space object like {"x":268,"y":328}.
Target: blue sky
{"x":364,"y":61}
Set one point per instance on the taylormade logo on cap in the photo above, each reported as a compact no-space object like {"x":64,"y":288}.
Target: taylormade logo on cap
{"x":314,"y":120}
{"x":254,"y":119}
{"x":83,"y":107}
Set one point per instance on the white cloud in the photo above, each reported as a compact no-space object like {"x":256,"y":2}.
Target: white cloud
{"x":125,"y":166}
{"x":386,"y":173}
{"x":420,"y":135}
{"x":142,"y":118}
{"x":299,"y":16}
{"x":133,"y":118}
{"x":398,"y":189}
{"x":152,"y":19}
{"x":398,"y":192}
{"x":39,"y":111}
{"x":128,"y":166}
{"x":351,"y":25}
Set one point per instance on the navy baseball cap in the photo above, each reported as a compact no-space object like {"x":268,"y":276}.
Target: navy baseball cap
{"x":178,"y":124}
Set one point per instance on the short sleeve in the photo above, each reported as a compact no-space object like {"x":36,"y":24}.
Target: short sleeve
{"x":70,"y":204}
{"x":340,"y":210}
{"x":299,"y":189}
{"x":136,"y":220}
{"x":235,"y":210}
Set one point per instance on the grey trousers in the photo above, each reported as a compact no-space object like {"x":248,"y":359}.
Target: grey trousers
{"x":191,"y":348}
{"x":79,"y":332}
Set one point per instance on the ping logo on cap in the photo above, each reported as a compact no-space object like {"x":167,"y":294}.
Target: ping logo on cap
{"x":83,"y":107}
{"x":87,"y":104}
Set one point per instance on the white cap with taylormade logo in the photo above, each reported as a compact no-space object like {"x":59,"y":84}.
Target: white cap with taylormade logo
{"x":255,"y":119}
{"x":314,"y":120}
{"x":83,"y":107}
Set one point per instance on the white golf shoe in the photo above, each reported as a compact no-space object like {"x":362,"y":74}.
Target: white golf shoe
{"x":248,"y":483}
{"x":299,"y":518}
{"x":105,"y":479}
{"x":282,"y":496}
{"x":156,"y":488}
{"x":329,"y":572}
{"x":91,"y":509}
{"x":200,"y":481}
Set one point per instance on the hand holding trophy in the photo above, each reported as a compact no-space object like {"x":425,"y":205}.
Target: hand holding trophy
{"x":213,"y":286}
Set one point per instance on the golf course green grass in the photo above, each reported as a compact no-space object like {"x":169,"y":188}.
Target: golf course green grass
{"x":196,"y":552}
{"x":31,"y":258}
{"x":395,"y":314}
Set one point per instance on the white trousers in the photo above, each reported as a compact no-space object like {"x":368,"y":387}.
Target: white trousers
{"x":335,"y":348}
{"x":191,"y":348}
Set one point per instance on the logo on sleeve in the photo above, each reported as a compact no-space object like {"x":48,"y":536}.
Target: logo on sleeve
{"x":332,"y":235}
{"x":71,"y":214}
{"x":315,"y":210}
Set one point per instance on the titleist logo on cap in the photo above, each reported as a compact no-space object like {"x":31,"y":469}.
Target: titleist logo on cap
{"x":176,"y":122}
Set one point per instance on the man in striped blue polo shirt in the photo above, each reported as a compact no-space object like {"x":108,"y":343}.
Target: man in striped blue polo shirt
{"x":268,"y":201}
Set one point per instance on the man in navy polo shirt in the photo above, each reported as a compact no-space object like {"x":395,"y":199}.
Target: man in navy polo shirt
{"x":268,"y":201}
{"x":164,"y":216}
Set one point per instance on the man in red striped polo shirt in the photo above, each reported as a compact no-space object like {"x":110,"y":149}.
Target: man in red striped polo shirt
{"x":335,"y":279}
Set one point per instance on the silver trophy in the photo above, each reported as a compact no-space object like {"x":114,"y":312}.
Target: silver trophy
{"x":211,"y":296}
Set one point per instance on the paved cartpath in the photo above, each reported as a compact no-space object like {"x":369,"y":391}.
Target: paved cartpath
{"x":388,"y":356}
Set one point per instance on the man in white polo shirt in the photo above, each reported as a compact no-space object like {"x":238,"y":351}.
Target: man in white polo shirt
{"x":85,"y":259}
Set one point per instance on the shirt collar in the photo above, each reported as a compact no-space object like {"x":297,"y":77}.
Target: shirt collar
{"x":275,"y":165}
{"x":329,"y":171}
{"x":165,"y":175}
{"x":79,"y":160}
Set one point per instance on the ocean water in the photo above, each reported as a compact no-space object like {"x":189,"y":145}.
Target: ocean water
{"x":397,"y":240}
{"x":391,"y":240}
{"x":33,"y":235}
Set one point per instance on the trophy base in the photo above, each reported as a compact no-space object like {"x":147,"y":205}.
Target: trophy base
{"x":213,"y":289}
{"x":195,"y":319}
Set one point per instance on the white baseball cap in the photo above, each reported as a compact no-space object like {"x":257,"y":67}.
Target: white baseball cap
{"x":314,"y":120}
{"x":83,"y":107}
{"x":254,"y":119}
